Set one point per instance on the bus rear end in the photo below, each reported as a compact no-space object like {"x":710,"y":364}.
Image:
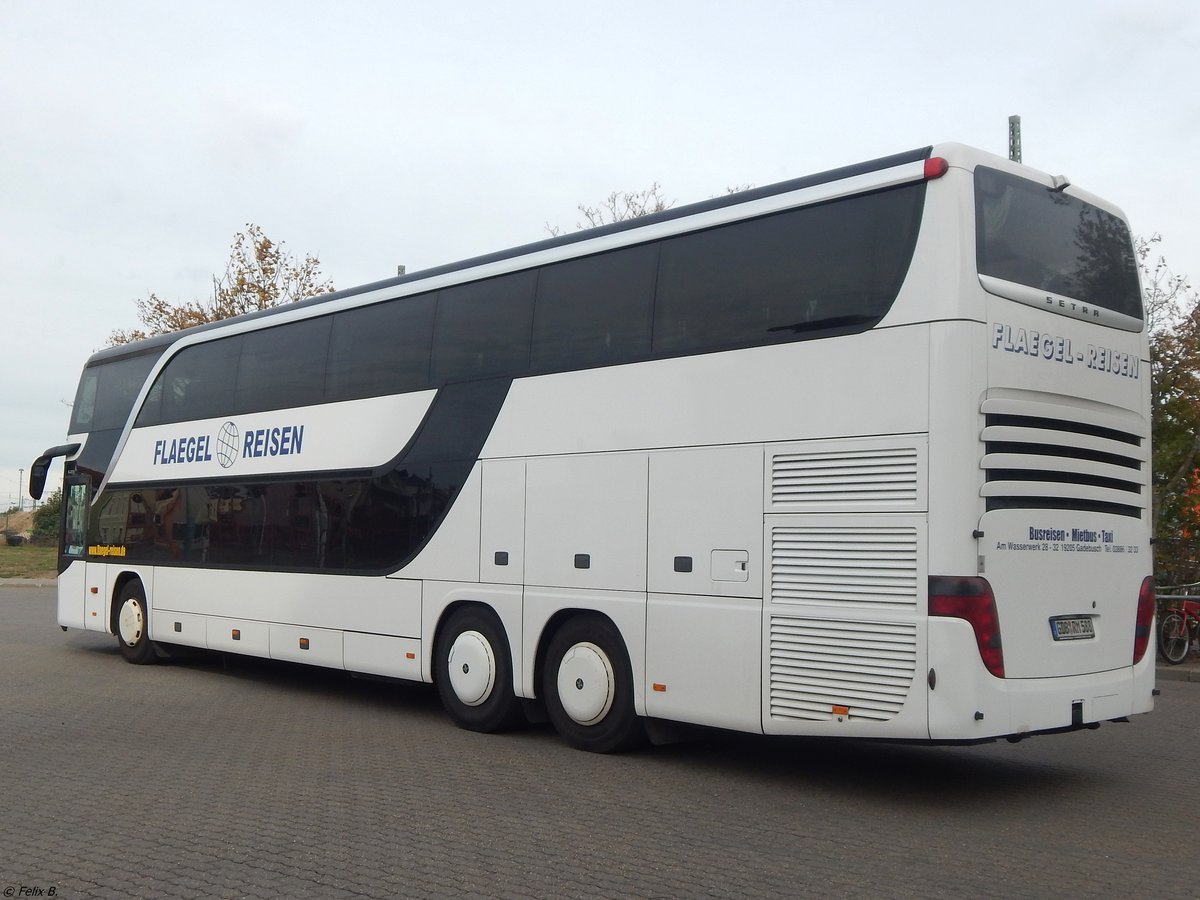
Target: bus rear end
{"x":1052,"y":630}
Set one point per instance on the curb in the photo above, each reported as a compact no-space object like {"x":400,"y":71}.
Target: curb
{"x":27,"y":582}
{"x":1178,"y":673}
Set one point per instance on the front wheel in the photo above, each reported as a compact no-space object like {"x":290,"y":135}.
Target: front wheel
{"x":588,"y":685}
{"x":1173,"y":638}
{"x":133,"y":625}
{"x":474,"y":674}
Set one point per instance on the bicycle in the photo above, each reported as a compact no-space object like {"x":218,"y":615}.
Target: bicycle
{"x":1179,"y":628}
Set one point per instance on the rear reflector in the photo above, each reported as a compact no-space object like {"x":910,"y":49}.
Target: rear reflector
{"x":1145,"y":619}
{"x":935,"y":167}
{"x":970,"y":599}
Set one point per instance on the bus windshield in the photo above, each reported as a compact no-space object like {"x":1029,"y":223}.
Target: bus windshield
{"x":107,"y":391}
{"x":1051,"y":241}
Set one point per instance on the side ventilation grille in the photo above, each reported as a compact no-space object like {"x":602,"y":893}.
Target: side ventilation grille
{"x":866,"y":565}
{"x":845,"y":479}
{"x":822,"y":669}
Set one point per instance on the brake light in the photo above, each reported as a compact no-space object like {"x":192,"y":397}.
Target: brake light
{"x":935,"y":167}
{"x":1145,"y":619}
{"x":970,"y":599}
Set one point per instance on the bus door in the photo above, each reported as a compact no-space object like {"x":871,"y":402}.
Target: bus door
{"x":76,"y":606}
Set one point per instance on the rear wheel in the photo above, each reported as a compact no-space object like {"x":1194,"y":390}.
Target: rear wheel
{"x":133,"y":625}
{"x":588,"y":685}
{"x":474,"y":674}
{"x":1173,"y":638}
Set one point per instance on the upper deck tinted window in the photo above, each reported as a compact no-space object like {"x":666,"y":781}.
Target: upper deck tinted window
{"x":1027,"y":234}
{"x":482,"y":328}
{"x":595,"y":311}
{"x":283,"y":366}
{"x":380,"y":349}
{"x":808,"y":272}
{"x":198,"y":383}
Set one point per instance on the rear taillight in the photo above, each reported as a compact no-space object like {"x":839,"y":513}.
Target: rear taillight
{"x":970,"y":599}
{"x":1145,"y":619}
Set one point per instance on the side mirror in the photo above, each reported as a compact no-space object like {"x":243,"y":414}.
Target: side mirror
{"x":41,"y":468}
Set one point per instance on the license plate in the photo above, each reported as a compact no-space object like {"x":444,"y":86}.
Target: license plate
{"x":1072,"y":628}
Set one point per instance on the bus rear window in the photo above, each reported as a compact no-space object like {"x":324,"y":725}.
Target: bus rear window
{"x":1029,"y":235}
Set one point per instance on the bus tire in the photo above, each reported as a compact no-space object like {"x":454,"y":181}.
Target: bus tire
{"x":587,"y":683}
{"x":1173,"y":638}
{"x":132,"y":625}
{"x":474,"y":673}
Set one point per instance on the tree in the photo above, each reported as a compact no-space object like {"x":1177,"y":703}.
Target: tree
{"x":1173,"y":317}
{"x":45,"y":520}
{"x":259,"y":274}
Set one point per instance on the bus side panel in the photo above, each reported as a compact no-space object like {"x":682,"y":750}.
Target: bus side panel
{"x":704,"y":621}
{"x":179,"y":628}
{"x":368,"y":604}
{"x":378,"y":654}
{"x":97,"y":598}
{"x":304,"y":644}
{"x":452,"y":553}
{"x":502,"y":522}
{"x":71,"y":592}
{"x":705,"y":529}
{"x":865,"y":384}
{"x":702,"y":656}
{"x":239,"y":636}
{"x":586,"y":522}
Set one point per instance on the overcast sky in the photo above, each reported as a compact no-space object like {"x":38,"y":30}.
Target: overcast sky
{"x":137,"y":138}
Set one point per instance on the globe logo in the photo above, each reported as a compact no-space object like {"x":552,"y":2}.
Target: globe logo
{"x":227,"y":445}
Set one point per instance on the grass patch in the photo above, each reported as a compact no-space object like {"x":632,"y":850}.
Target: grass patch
{"x":28,"y":561}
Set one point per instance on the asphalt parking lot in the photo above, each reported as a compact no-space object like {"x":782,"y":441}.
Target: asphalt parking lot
{"x":228,"y":777}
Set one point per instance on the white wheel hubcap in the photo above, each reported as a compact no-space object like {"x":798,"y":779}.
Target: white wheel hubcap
{"x":472,"y":668}
{"x":586,"y":684}
{"x":131,"y":622}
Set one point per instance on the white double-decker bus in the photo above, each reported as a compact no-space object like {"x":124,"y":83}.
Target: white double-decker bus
{"x":864,"y":454}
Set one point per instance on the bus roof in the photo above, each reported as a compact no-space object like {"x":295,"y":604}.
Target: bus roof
{"x":158,"y":342}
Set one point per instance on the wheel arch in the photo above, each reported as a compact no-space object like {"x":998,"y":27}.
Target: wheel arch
{"x":444,"y":616}
{"x":551,"y":627}
{"x":440,"y":602}
{"x":119,"y":584}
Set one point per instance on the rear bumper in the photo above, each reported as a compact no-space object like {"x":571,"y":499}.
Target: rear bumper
{"x":979,"y":706}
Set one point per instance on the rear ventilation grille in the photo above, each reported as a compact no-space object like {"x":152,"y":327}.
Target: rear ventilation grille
{"x":829,"y":564}
{"x":823,"y":669}
{"x":845,"y":479}
{"x":1041,"y":462}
